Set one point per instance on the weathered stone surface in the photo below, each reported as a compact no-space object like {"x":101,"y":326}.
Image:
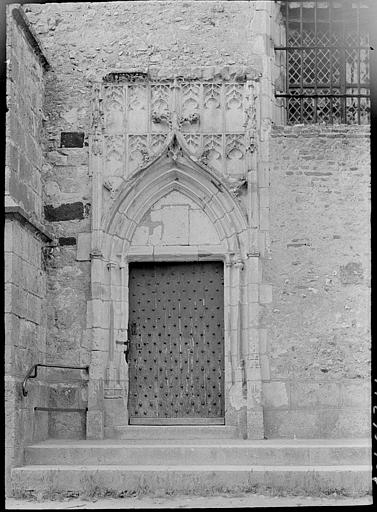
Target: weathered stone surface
{"x":275,"y":394}
{"x":83,"y":246}
{"x":66,"y":315}
{"x":23,"y":148}
{"x":310,"y":480}
{"x":175,"y":220}
{"x":317,"y":324}
{"x":95,"y":424}
{"x":352,"y":273}
{"x":67,"y":425}
{"x":307,"y":394}
{"x":64,"y":212}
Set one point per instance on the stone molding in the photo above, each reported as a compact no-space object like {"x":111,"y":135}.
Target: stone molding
{"x":18,"y":213}
{"x":206,"y":73}
{"x":22,"y":21}
{"x":132,"y":121}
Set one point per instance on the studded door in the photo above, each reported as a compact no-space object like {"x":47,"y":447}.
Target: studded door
{"x":176,"y":353}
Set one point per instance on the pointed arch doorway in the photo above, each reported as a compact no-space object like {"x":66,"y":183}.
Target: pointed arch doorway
{"x":176,"y":337}
{"x":174,"y":208}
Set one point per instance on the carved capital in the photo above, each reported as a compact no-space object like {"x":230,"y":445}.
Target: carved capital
{"x":122,"y":261}
{"x":239,"y":263}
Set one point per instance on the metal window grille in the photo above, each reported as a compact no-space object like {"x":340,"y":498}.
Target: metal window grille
{"x":325,"y":61}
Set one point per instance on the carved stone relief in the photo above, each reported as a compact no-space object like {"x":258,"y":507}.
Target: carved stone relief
{"x":114,"y":109}
{"x":114,"y":149}
{"x":235,"y":152}
{"x":156,"y":143}
{"x":137,"y":151}
{"x":173,"y":132}
{"x":213,"y":151}
{"x":190,"y":106}
{"x":137,"y":108}
{"x":193,"y":142}
{"x":216,"y":119}
{"x":160,"y":107}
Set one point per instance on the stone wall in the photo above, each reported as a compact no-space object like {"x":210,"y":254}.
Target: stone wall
{"x":25,"y":238}
{"x":144,"y":35}
{"x":315,"y":347}
{"x":316,"y":367}
{"x":25,"y":94}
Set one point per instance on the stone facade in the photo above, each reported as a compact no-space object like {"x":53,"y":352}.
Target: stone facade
{"x":184,"y":157}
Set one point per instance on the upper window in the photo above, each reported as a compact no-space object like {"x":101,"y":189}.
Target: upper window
{"x":326,"y":61}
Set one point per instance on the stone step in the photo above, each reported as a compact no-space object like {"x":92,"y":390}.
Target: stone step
{"x":311,"y":480}
{"x":170,"y":432}
{"x":198,"y":452}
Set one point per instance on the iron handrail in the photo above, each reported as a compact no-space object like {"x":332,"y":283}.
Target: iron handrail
{"x":33,"y":372}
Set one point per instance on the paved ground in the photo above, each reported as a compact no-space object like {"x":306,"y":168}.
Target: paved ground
{"x":241,"y":500}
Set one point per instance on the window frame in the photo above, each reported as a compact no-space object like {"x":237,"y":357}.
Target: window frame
{"x":296,"y":92}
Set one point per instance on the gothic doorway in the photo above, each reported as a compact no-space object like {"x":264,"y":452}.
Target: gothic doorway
{"x":176,"y":352}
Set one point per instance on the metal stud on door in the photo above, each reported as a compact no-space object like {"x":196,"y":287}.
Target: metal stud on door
{"x":176,"y":353}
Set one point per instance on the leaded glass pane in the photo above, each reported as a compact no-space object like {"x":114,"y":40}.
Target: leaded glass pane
{"x":308,"y":68}
{"x":294,"y":66}
{"x":327,"y":62}
{"x":323,"y":66}
{"x":294,"y":110}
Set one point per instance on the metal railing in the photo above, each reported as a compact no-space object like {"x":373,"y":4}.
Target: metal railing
{"x":33,"y":372}
{"x":326,"y":61}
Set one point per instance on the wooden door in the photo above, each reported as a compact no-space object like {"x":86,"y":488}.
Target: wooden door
{"x":176,"y":333}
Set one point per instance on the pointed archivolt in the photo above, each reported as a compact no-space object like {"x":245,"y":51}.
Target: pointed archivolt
{"x":175,"y":168}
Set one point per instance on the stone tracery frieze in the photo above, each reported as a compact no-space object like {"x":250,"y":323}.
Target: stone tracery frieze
{"x":212,"y":95}
{"x":192,"y":141}
{"x":135,"y":116}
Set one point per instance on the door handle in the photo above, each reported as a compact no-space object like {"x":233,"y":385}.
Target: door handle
{"x":127,"y":349}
